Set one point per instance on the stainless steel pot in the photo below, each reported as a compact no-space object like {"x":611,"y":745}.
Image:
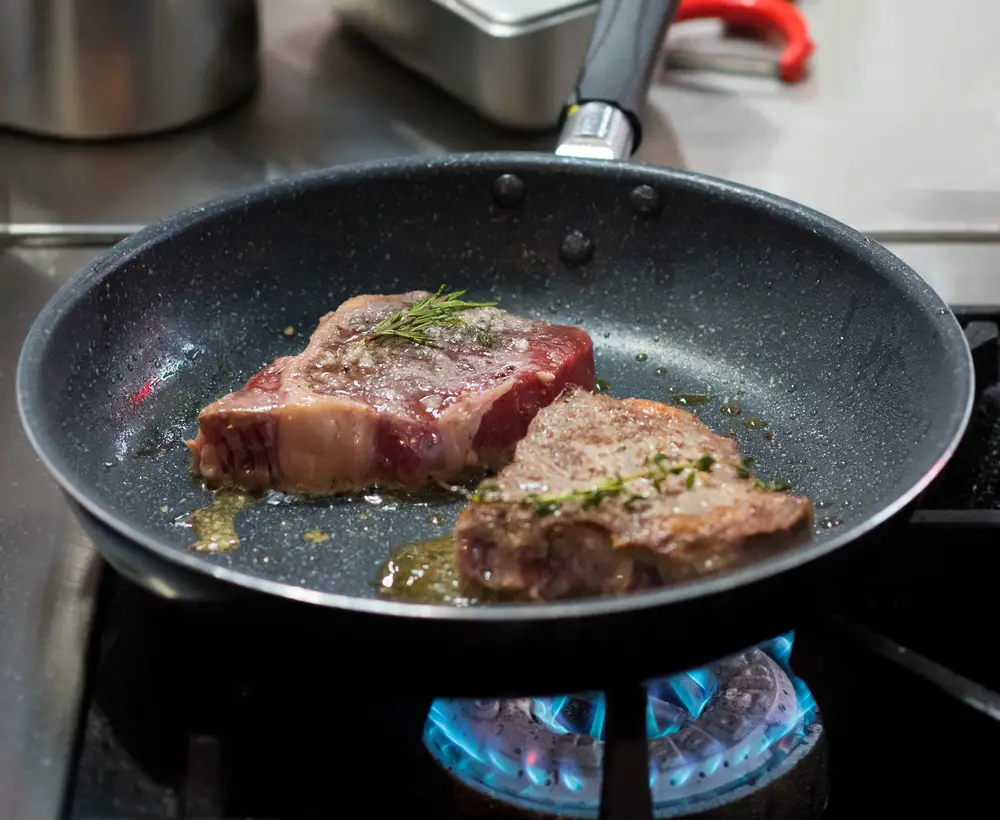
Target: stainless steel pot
{"x":100,"y":69}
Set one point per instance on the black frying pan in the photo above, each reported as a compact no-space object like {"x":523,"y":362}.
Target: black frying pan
{"x":688,"y":285}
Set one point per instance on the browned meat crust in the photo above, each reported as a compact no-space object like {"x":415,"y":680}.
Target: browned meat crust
{"x":695,"y":521}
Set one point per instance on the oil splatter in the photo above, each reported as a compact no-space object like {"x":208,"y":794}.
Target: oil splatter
{"x":755,"y":424}
{"x":690,"y":399}
{"x":641,"y":357}
{"x":829,"y":522}
{"x":315,"y":536}
{"x":435,"y":519}
{"x":601,"y":386}
{"x":289,"y":331}
{"x":731,"y":408}
{"x":215,"y":525}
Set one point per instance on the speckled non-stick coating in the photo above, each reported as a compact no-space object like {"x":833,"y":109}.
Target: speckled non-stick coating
{"x":860,"y":371}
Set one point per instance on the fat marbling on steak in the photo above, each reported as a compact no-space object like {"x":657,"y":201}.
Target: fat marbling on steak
{"x":352,"y":411}
{"x":673,"y":523}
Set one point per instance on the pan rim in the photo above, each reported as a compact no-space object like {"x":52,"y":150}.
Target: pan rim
{"x":501,"y":162}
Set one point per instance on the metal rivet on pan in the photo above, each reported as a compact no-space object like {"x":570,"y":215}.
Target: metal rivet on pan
{"x":508,"y":191}
{"x":645,"y":200}
{"x":576,"y":249}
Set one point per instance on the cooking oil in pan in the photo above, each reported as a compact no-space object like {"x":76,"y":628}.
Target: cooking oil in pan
{"x":424,"y":572}
{"x":690,"y":399}
{"x":215,"y":524}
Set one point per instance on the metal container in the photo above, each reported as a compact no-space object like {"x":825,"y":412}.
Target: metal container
{"x":514,"y":61}
{"x":100,"y":69}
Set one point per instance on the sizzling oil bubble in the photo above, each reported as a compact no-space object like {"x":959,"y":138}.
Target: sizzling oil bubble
{"x":829,"y":522}
{"x":731,"y":409}
{"x":641,"y":357}
{"x":690,"y":399}
{"x":215,"y":525}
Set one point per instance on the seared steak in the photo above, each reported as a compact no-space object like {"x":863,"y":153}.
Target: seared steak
{"x":557,"y":521}
{"x":353,"y":410}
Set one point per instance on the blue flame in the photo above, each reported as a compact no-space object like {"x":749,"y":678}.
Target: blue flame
{"x":545,"y":753}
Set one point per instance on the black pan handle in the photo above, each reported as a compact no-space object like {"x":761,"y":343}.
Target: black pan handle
{"x":604,"y":116}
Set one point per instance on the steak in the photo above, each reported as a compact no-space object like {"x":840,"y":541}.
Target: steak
{"x":558,"y":522}
{"x":353,"y":410}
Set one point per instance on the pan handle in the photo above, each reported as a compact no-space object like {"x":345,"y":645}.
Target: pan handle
{"x":603,"y":119}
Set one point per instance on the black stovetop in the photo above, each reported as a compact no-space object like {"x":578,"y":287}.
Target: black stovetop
{"x":902,"y":668}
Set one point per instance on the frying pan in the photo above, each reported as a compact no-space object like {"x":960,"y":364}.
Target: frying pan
{"x":687,"y":284}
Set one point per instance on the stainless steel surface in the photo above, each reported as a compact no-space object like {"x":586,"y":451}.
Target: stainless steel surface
{"x":965,"y":274}
{"x":95,"y":69}
{"x":521,"y":12}
{"x":596,"y":130}
{"x":514,"y":61}
{"x":895,"y":132}
{"x":48,"y":572}
{"x":52,"y":235}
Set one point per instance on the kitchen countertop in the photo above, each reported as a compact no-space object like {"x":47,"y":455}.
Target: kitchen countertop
{"x":895,"y":133}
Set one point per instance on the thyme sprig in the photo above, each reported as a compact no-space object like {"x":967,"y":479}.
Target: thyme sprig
{"x":413,"y":322}
{"x":657,"y":471}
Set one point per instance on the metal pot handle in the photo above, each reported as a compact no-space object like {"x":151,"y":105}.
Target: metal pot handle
{"x":603,"y":118}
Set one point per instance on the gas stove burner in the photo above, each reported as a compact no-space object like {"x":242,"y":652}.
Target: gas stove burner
{"x":712,"y":733}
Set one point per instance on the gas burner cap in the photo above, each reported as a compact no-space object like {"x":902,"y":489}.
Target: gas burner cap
{"x":710,"y":732}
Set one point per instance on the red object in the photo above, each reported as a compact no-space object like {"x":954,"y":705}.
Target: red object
{"x":140,"y":395}
{"x":772,"y":15}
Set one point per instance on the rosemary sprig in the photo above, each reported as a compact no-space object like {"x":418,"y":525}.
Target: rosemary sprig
{"x":413,"y":322}
{"x":656,"y":472}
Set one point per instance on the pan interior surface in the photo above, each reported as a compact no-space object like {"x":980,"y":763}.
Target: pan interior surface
{"x":688,"y":287}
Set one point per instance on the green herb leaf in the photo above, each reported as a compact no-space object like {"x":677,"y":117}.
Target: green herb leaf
{"x":704,"y":464}
{"x":777,"y":486}
{"x":658,"y":471}
{"x":413,"y":322}
{"x":541,"y":506}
